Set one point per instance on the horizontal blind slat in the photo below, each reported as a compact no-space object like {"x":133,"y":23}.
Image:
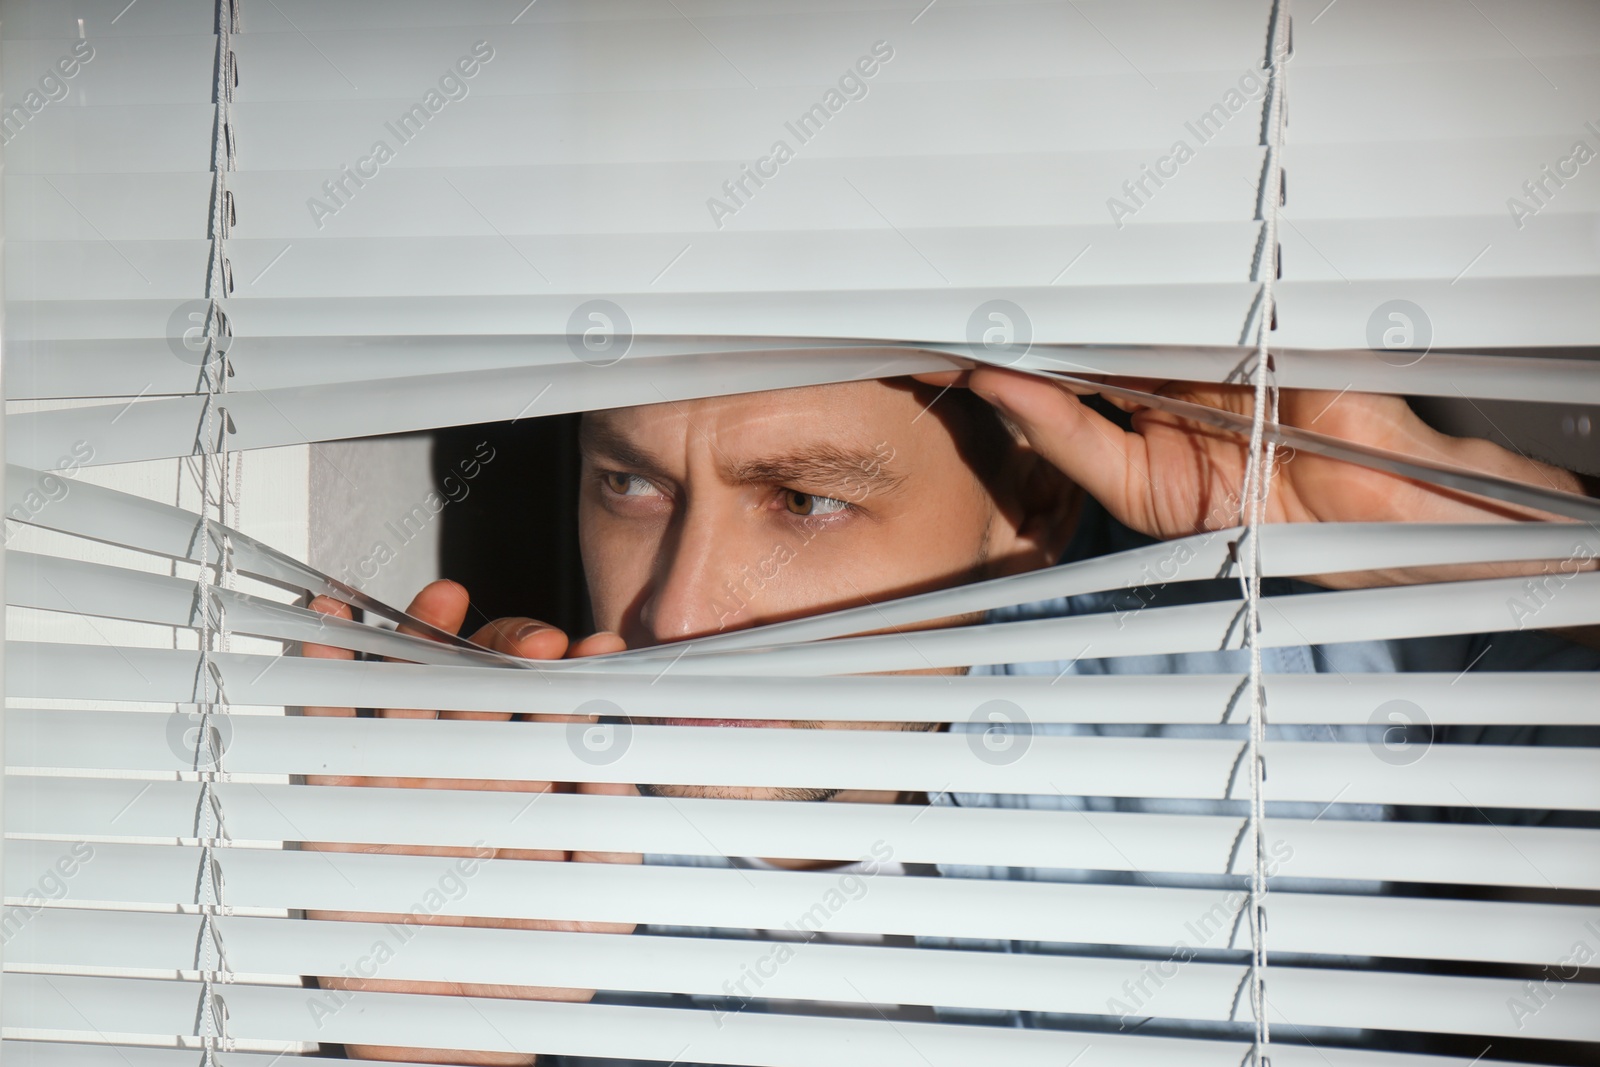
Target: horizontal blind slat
{"x":1318,"y":618}
{"x":1325,"y":848}
{"x":792,"y":261}
{"x":60,"y":584}
{"x":51,"y":1053}
{"x":154,"y":876}
{"x":99,"y":942}
{"x":262,"y":1013}
{"x":1553,"y":309}
{"x":1499,"y":775}
{"x":80,"y":364}
{"x":100,"y":672}
{"x":165,"y":428}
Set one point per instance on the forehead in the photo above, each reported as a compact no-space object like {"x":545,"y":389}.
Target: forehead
{"x":845,"y":414}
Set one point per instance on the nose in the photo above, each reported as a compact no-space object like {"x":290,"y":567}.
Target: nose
{"x":701,"y":582}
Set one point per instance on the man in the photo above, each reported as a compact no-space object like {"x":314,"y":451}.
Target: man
{"x":854,"y":493}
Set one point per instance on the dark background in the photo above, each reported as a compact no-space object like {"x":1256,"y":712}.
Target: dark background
{"x":513,"y":541}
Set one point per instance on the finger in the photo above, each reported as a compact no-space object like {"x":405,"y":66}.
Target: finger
{"x":440,"y":603}
{"x":1228,"y":396}
{"x":527,"y":638}
{"x":327,"y":606}
{"x":598,"y":644}
{"x":524,"y":637}
{"x":520,"y":637}
{"x":1121,"y":403}
{"x":443,"y":604}
{"x":1143,"y":385}
{"x":943,"y":377}
{"x":1109,"y":462}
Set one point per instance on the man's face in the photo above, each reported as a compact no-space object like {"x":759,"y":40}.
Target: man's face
{"x":698,"y":517}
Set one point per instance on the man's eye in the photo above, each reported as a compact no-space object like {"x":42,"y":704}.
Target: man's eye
{"x":809,"y":504}
{"x":624,"y":484}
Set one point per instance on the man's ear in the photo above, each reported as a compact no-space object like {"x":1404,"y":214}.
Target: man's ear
{"x":1041,"y":505}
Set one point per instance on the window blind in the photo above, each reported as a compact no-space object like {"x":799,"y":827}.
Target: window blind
{"x":209,"y":262}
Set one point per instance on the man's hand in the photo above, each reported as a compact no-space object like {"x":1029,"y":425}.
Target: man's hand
{"x":1170,"y":477}
{"x":444,"y":604}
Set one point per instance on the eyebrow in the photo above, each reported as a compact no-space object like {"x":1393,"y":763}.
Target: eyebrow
{"x":596,"y":438}
{"x":822,"y":466}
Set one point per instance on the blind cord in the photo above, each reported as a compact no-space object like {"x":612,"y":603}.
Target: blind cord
{"x":1257,"y":486}
{"x":215,"y":463}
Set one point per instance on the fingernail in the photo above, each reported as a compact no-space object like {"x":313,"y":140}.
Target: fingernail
{"x":527,"y":629}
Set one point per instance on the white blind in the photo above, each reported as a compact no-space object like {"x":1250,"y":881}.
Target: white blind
{"x":108,"y":782}
{"x":189,"y":180}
